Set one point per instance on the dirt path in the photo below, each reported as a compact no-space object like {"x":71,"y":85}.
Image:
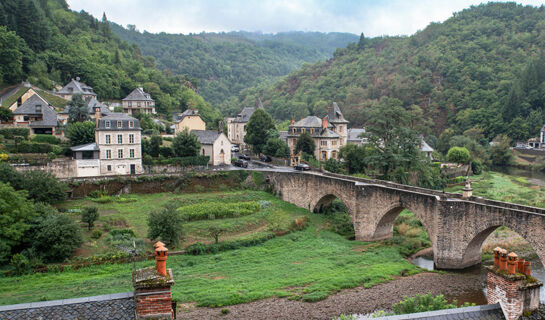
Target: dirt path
{"x":350,"y":301}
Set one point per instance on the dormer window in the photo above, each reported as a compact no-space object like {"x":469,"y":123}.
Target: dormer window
{"x":71,"y":89}
{"x":107,"y":124}
{"x":131,"y":124}
{"x":303,"y":130}
{"x":119,"y":124}
{"x":38,"y":108}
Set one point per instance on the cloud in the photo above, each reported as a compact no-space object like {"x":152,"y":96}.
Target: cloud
{"x":372,"y":17}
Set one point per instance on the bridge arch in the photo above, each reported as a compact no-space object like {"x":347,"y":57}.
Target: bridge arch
{"x":325,"y":199}
{"x":472,"y":253}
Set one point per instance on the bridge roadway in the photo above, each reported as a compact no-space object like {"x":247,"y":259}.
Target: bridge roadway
{"x":457,"y":226}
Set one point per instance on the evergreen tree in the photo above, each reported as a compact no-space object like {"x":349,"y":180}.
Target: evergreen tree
{"x":257,"y":130}
{"x":305,"y":143}
{"x":78,"y":109}
{"x":185,"y":144}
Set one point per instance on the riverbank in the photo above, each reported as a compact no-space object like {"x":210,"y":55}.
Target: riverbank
{"x":357,"y":300}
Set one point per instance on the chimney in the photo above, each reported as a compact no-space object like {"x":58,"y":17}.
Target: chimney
{"x":467,"y":192}
{"x":152,"y":288}
{"x":324,"y":123}
{"x":511,"y":285}
{"x":292,"y":121}
{"x":97,"y":115}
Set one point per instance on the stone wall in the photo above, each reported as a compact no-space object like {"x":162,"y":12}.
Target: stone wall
{"x":61,"y":168}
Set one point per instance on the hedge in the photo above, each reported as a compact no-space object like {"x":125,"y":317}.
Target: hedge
{"x":46,"y":138}
{"x":200,"y":248}
{"x":216,"y":210}
{"x":33,"y":147}
{"x":9,"y":133}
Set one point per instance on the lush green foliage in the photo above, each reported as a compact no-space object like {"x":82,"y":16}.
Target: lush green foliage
{"x":46,"y":138}
{"x":222,"y":64}
{"x":258,"y":130}
{"x":217,"y":210}
{"x":78,"y":110}
{"x":423,"y":303}
{"x":305,"y":143}
{"x":185,"y":144}
{"x":482,"y":68}
{"x":9,"y":133}
{"x":276,"y":147}
{"x":89,"y":215}
{"x":500,"y":153}
{"x":81,"y":133}
{"x":47,"y":43}
{"x":6,"y":115}
{"x":165,"y":224}
{"x":458,"y":155}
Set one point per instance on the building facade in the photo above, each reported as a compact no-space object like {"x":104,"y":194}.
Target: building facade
{"x":236,"y":126}
{"x":138,"y":101}
{"x":189,"y":119}
{"x":75,"y":86}
{"x":37,"y":115}
{"x":216,"y":145}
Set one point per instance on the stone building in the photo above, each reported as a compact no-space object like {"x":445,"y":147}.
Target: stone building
{"x":189,"y":119}
{"x":138,"y":101}
{"x":216,"y":145}
{"x":77,"y":87}
{"x":354,"y":136}
{"x":14,"y":97}
{"x":236,"y":127}
{"x":37,"y":115}
{"x":92,"y":104}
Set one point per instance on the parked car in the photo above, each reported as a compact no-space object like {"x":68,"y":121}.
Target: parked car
{"x":235,"y":148}
{"x":302,"y":167}
{"x":265,"y":158}
{"x":244,"y":157}
{"x":241,"y":163}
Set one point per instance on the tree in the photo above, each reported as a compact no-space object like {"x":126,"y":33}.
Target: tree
{"x":81,"y":133}
{"x":78,"y":110}
{"x":215,"y":232}
{"x":185,"y":144}
{"x":155,"y":144}
{"x":15,"y":220}
{"x":165,"y":224}
{"x":305,"y":143}
{"x":56,"y":236}
{"x":332,"y":165}
{"x":458,"y":155}
{"x":43,"y":186}
{"x":89,"y":215}
{"x":500,"y":151}
{"x":276,"y":147}
{"x":257,"y":130}
{"x":6,"y":115}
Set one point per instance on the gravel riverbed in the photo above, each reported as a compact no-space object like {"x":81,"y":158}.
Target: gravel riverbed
{"x":350,"y":301}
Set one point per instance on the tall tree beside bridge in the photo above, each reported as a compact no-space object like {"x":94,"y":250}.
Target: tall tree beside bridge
{"x":257,"y":130}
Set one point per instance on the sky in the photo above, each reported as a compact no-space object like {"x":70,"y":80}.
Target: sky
{"x":372,"y":17}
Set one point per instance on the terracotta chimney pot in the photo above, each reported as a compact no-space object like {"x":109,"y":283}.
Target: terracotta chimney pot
{"x":512,"y":261}
{"x":497,"y":251}
{"x":520,"y":266}
{"x":324,"y":123}
{"x":527,"y":268}
{"x":161,"y":259}
{"x":503,"y":260}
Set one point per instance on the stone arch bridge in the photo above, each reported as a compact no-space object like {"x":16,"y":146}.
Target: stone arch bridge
{"x":457,"y":226}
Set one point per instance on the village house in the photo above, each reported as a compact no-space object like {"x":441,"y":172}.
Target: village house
{"x":17,"y":95}
{"x":189,"y":119}
{"x":354,"y":136}
{"x":92,"y":104}
{"x":76,"y":87}
{"x":236,"y":127}
{"x":138,"y":101}
{"x":37,"y":115}
{"x":216,"y":145}
{"x":116,"y":150}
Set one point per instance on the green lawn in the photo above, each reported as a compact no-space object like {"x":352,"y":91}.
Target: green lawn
{"x":306,"y":265}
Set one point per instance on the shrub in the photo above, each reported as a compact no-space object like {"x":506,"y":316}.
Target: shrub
{"x":477,"y":167}
{"x":46,"y":138}
{"x":97,"y":194}
{"x":81,"y":133}
{"x":56,"y":236}
{"x":423,"y":303}
{"x":206,"y":210}
{"x":9,"y":133}
{"x":300,"y":223}
{"x":96,"y":234}
{"x":458,"y":155}
{"x":165,"y":224}
{"x":166,"y":152}
{"x":89,"y":215}
{"x":185,"y":144}
{"x":43,"y":187}
{"x":20,"y":264}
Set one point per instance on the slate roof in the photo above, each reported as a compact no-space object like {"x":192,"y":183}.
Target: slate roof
{"x":310,"y":122}
{"x":77,"y":87}
{"x":485,"y":312}
{"x":244,"y":115}
{"x":120,"y":306}
{"x":328,"y":133}
{"x":49,"y":116}
{"x":86,"y":147}
{"x":113,"y":117}
{"x":424,"y":147}
{"x":177,"y":117}
{"x":335,"y":115}
{"x":206,"y":136}
{"x":283,"y":135}
{"x":92,"y":104}
{"x":353,"y":134}
{"x":138,"y":94}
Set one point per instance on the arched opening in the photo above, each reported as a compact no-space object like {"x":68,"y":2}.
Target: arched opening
{"x":337,"y":214}
{"x":402,"y":228}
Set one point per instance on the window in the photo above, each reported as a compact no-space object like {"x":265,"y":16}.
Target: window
{"x":107,"y":124}
{"x":323,"y":143}
{"x":311,"y":130}
{"x":131,"y":153}
{"x":71,"y":89}
{"x":303,"y":130}
{"x":131,"y":138}
{"x":119,"y":124}
{"x":131,"y":124}
{"x":129,"y":104}
{"x":120,"y":154}
{"x":138,"y":104}
{"x":108,"y":139}
{"x":334,"y":142}
{"x":38,"y":108}
{"x":108,"y":154}
{"x":120,"y":138}
{"x":293,"y":130}
{"x":109,"y":167}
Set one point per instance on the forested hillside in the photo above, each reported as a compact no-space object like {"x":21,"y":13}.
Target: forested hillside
{"x":483,"y":68}
{"x":225,"y":63}
{"x":47,"y":43}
